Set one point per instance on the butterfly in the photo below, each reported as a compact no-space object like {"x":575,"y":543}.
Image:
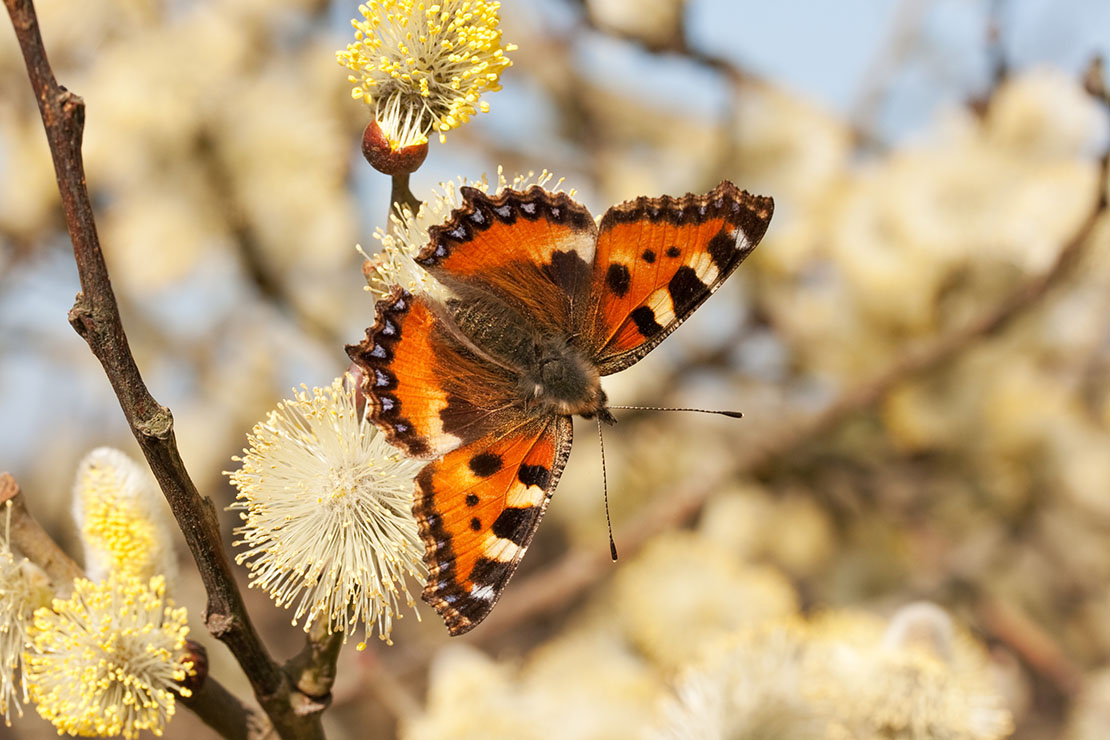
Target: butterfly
{"x":539,"y":302}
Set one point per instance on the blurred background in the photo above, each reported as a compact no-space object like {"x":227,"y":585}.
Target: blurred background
{"x":927,"y":158}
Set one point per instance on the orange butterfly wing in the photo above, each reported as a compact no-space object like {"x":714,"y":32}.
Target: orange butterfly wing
{"x":658,"y":259}
{"x":426,"y":392}
{"x":478,"y":508}
{"x":533,"y":249}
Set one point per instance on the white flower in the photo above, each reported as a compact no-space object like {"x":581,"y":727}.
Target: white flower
{"x":327,"y":509}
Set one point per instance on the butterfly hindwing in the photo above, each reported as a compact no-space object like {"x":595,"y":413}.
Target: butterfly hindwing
{"x":426,"y":392}
{"x":532,"y":249}
{"x":477,"y":509}
{"x":658,"y":259}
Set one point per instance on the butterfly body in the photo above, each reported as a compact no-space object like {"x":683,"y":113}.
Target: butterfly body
{"x":541,"y":303}
{"x":550,"y":372}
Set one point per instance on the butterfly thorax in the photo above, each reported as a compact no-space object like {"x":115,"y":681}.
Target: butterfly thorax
{"x":550,"y":371}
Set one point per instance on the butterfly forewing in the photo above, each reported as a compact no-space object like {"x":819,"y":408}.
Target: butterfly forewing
{"x":531,"y":249}
{"x":658,"y":259}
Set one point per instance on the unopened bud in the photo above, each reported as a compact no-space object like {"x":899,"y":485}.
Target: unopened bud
{"x":384,"y":158}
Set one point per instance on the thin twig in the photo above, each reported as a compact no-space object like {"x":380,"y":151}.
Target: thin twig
{"x":579,"y":570}
{"x":223,"y":712}
{"x":312,"y":670}
{"x":1029,"y":640}
{"x":96,"y":318}
{"x":33,"y":542}
{"x":401,"y":196}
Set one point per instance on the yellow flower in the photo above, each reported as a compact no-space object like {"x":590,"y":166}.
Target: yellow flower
{"x":121,"y":517}
{"x":422,"y":66}
{"x":23,"y":588}
{"x":109,"y":659}
{"x":395,"y":263}
{"x":327,"y":509}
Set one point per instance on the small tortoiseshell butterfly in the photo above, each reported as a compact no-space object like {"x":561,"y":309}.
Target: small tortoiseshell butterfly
{"x":543,"y":302}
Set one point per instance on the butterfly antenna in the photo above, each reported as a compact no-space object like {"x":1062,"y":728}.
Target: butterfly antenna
{"x":730,"y":414}
{"x":605,"y":492}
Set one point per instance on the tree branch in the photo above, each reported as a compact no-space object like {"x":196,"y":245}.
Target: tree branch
{"x":95,"y":316}
{"x":33,"y":542}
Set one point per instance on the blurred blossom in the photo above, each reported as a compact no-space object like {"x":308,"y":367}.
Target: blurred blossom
{"x":109,"y":659}
{"x":799,"y":152}
{"x":28,"y":201}
{"x":289,"y":172}
{"x":592,"y":666}
{"x":395,"y":263}
{"x":923,"y":236}
{"x":23,"y":588}
{"x":919,"y":679}
{"x":684,"y":592}
{"x":791,"y":531}
{"x":422,"y":67}
{"x":327,"y":509}
{"x":610,"y":688}
{"x":657,"y":23}
{"x":473,"y":697}
{"x":154,"y":236}
{"x":72,"y":32}
{"x":122,"y":518}
{"x":749,"y":688}
{"x":1090,"y":715}
{"x":922,"y":626}
{"x":1046,"y":113}
{"x":840,"y":677}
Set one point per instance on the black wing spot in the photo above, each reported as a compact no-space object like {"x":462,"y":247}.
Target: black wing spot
{"x":471,"y":500}
{"x":645,"y":321}
{"x":485,"y":464}
{"x":534,"y":475}
{"x":618,"y":279}
{"x":568,"y":270}
{"x":686,"y":290}
{"x":722,"y":250}
{"x":673,"y":251}
{"x":514,"y":524}
{"x":487,"y":572}
{"x":648,"y":256}
{"x":476,"y":524}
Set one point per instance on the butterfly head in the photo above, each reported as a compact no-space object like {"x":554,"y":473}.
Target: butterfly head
{"x":564,"y":381}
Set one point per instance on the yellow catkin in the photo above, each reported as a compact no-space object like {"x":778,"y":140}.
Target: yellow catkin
{"x":422,"y":67}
